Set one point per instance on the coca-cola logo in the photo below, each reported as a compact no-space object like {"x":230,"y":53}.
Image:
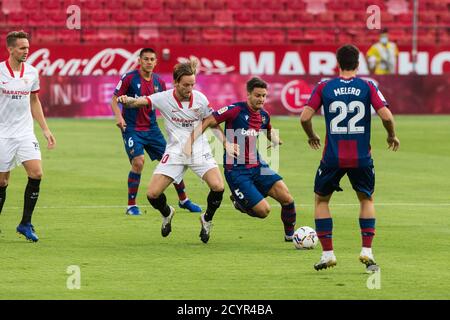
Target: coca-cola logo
{"x":109,"y":61}
{"x":101,"y":63}
{"x":294,"y":95}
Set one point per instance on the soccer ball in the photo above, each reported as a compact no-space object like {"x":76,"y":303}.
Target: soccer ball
{"x":305,"y":238}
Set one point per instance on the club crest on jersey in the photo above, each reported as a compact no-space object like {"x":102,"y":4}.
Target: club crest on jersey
{"x":263,"y":119}
{"x":139,"y":85}
{"x":155,"y":89}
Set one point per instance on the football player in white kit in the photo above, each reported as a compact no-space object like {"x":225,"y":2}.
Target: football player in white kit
{"x":19,"y":104}
{"x":183,"y":109}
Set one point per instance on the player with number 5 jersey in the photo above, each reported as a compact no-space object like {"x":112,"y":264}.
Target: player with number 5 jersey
{"x":346,"y":102}
{"x":249,"y":177}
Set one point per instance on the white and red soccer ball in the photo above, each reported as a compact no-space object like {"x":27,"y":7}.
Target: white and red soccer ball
{"x":305,"y":238}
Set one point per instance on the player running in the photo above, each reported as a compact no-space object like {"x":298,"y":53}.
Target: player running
{"x":250,"y":178}
{"x":346,"y":103}
{"x":140,"y":131}
{"x":182,"y":108}
{"x":19,"y":104}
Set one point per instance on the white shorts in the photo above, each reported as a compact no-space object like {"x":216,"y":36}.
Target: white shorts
{"x":174,"y":165}
{"x":14,"y":151}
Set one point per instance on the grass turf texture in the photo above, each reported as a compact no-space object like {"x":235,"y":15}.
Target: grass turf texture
{"x":80,"y":221}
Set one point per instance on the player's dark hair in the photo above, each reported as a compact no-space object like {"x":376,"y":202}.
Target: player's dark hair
{"x":145,"y":50}
{"x":14,"y":35}
{"x":348,"y":57}
{"x":255,"y":82}
{"x":187,"y":68}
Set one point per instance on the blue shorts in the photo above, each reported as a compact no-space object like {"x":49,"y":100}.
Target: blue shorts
{"x":327,"y":179}
{"x":249,"y":186}
{"x":151,"y":141}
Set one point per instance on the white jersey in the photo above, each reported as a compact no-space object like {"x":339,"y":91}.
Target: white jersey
{"x":15,"y":89}
{"x":180,"y":119}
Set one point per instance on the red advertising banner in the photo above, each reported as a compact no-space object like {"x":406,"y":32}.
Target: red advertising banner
{"x":90,"y":96}
{"x":226,"y":59}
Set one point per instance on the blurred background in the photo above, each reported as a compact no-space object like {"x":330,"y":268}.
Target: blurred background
{"x":82,"y":47}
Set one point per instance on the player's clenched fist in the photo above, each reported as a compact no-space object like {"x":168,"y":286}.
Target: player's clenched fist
{"x":123,"y":99}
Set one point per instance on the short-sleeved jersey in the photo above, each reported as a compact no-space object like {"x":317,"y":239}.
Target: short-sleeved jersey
{"x":180,"y":119}
{"x":15,"y":88}
{"x":346,"y":104}
{"x":134,"y":85}
{"x":243,"y":126}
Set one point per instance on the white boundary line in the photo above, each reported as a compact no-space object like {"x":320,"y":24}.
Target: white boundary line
{"x":398,"y":204}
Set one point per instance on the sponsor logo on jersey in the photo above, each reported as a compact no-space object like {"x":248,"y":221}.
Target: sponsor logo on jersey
{"x":249,"y":132}
{"x":222,"y":110}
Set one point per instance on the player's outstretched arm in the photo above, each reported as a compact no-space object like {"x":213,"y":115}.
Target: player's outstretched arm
{"x":306,"y":121}
{"x":130,"y":102}
{"x":38,"y":115}
{"x":197,"y":132}
{"x":389,"y":124}
{"x":232,"y":149}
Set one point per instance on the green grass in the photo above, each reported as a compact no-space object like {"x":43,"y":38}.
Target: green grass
{"x":80,"y":220}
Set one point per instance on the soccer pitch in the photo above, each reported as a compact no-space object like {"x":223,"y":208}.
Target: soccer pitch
{"x":81,"y":222}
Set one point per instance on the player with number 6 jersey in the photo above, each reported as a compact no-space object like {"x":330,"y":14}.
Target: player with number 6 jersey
{"x":346,"y":102}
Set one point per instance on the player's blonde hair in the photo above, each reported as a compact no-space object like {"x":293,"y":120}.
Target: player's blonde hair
{"x":14,"y":35}
{"x":187,"y":68}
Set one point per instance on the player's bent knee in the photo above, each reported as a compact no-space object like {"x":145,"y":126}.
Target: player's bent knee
{"x":137,"y":165}
{"x":153,"y":194}
{"x":217,"y":187}
{"x":262,"y":211}
{"x":3,"y":182}
{"x":37,"y":175}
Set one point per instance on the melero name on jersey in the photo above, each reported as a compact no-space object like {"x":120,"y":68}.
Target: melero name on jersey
{"x":347,"y":90}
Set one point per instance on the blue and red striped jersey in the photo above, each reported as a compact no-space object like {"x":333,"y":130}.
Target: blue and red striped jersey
{"x":134,"y":85}
{"x":346,"y":104}
{"x":242,"y":126}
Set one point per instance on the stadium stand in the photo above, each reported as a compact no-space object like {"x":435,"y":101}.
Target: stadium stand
{"x":225,"y":21}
